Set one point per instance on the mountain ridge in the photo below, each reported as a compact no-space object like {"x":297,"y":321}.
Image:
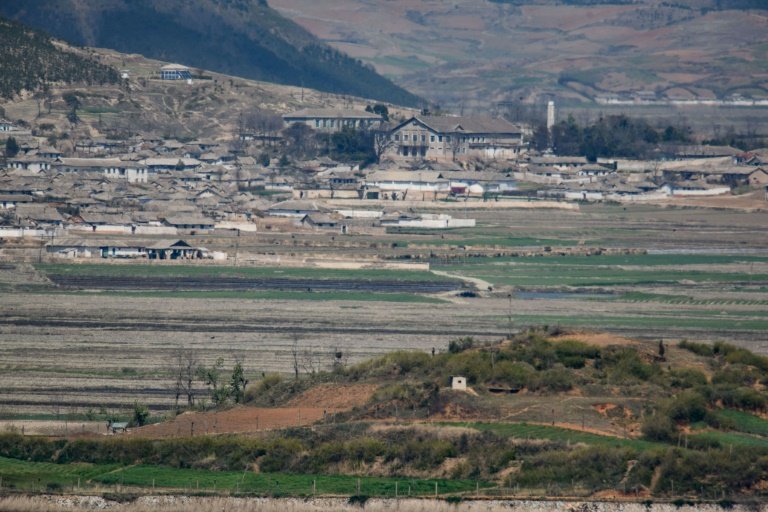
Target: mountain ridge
{"x":477,"y":54}
{"x":237,"y":37}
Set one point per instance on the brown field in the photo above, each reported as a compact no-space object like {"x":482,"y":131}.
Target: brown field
{"x":238,"y":420}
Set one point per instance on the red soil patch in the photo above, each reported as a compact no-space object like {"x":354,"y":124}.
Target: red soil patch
{"x":237,"y":420}
{"x":335,"y":396}
{"x":310,"y":407}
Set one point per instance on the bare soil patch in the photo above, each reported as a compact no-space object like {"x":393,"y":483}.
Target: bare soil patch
{"x":240,"y":420}
{"x":334,"y":396}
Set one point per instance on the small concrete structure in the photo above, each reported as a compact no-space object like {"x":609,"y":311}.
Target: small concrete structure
{"x":459,"y":383}
{"x":117,"y":426}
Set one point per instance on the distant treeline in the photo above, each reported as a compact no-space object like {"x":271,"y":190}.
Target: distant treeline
{"x":28,"y":60}
{"x":611,"y":136}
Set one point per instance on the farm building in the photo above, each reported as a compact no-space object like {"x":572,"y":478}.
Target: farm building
{"x":178,"y":250}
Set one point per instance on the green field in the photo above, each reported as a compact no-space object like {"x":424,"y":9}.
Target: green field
{"x":529,"y":431}
{"x":37,"y":476}
{"x":745,"y":422}
{"x":658,"y":319}
{"x":265,"y":295}
{"x":150,"y":270}
{"x":613,"y":270}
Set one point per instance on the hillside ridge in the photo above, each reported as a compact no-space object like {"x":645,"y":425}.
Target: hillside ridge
{"x":242,"y":38}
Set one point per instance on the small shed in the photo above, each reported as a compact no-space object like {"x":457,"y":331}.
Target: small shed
{"x":459,"y":383}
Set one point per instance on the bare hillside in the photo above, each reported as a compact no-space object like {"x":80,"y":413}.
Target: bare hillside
{"x":469,"y":52}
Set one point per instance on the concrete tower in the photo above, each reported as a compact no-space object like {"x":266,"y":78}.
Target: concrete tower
{"x":550,"y":116}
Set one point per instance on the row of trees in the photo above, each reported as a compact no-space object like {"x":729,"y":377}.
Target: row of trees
{"x":610,"y":136}
{"x":189,"y":372}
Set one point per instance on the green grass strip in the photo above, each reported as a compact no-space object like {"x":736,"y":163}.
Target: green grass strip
{"x":41,"y":475}
{"x":160,"y":270}
{"x":530,"y":431}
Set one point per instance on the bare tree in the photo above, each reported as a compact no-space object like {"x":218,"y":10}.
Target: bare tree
{"x":455,"y":143}
{"x":300,"y":139}
{"x":310,"y":361}
{"x":295,"y":357}
{"x":382,"y":142}
{"x":262,"y":122}
{"x":185,"y":367}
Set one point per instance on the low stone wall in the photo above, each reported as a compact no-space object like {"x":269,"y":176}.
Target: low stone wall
{"x":192,"y":504}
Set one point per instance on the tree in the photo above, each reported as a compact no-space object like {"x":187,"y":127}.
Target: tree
{"x":382,"y":142}
{"x":295,"y":358}
{"x":379,"y":109}
{"x":566,"y":137}
{"x":211,"y":377}
{"x":263,"y":122}
{"x":237,"y":383}
{"x":73,"y":102}
{"x":455,"y":143}
{"x":350,"y":145}
{"x":300,"y":139}
{"x":11,"y":147}
{"x":140,"y":415}
{"x":179,"y":165}
{"x":185,"y":367}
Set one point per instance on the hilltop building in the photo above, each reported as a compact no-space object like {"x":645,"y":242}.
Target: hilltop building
{"x":175,"y":72}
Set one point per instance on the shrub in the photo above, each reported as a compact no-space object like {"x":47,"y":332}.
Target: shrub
{"x":263,"y":386}
{"x":685,"y":378}
{"x":476,"y":366}
{"x":516,"y":375}
{"x":745,"y":357}
{"x":625,"y":365}
{"x":701,"y":349}
{"x":659,"y":427}
{"x":689,"y":406}
{"x":574,"y":354}
{"x":556,"y":379}
{"x":460,"y":345}
{"x":737,"y":375}
{"x":741,"y":398}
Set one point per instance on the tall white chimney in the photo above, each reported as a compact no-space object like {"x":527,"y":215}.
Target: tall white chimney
{"x":550,"y":116}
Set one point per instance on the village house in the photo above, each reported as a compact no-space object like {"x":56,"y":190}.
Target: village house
{"x":175,"y":250}
{"x":455,"y":138}
{"x":190,"y":222}
{"x":8,"y":201}
{"x":171,"y":164}
{"x":479,"y":184}
{"x":331,"y":120}
{"x":29,"y":163}
{"x":402,"y":185}
{"x":134,"y":172}
{"x":7,"y":126}
{"x":297,"y":209}
{"x":100,"y":146}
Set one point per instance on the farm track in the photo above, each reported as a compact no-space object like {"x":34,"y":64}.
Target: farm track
{"x":239,"y":284}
